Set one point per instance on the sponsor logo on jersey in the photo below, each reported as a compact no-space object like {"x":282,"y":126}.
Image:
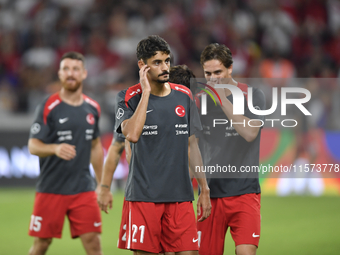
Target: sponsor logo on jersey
{"x":182,"y":132}
{"x":154,"y":132}
{"x":90,"y":118}
{"x":150,"y":130}
{"x":149,"y":111}
{"x":150,"y":127}
{"x":65,"y":135}
{"x":180,"y":110}
{"x":181,"y":125}
{"x":183,"y":129}
{"x":35,"y":128}
{"x":120,"y":113}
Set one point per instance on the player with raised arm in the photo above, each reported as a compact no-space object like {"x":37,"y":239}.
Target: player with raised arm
{"x":154,"y":116}
{"x":65,"y":136}
{"x":180,"y":74}
{"x":236,"y":198}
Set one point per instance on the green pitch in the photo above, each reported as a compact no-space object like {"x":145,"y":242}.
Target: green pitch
{"x":292,"y":225}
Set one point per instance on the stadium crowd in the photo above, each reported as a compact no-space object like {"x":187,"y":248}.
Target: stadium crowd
{"x":268,"y":39}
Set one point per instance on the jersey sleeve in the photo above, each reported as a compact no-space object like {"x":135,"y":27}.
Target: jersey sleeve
{"x":39,"y":128}
{"x":119,"y":137}
{"x":195,"y":121}
{"x":259,"y":103}
{"x":123,"y":111}
{"x":96,"y":128}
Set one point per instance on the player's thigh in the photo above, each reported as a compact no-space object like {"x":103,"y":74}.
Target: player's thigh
{"x":246,"y":249}
{"x":84,"y":214}
{"x":179,"y":230}
{"x":211,"y":232}
{"x":48,"y":215}
{"x":141,"y":228}
{"x":245,"y":225}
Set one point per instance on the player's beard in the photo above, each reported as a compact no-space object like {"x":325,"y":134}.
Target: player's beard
{"x":71,"y":88}
{"x":164,"y":80}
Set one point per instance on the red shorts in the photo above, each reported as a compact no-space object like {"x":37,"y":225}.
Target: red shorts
{"x":240,"y":213}
{"x":158,"y":227}
{"x":49,"y":213}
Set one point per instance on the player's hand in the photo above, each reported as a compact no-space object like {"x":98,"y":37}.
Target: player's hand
{"x":105,"y":199}
{"x":203,"y":206}
{"x":65,"y":151}
{"x":143,"y":78}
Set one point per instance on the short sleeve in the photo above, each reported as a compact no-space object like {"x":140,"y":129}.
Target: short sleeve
{"x":39,"y":128}
{"x":259,"y":103}
{"x":119,"y":137}
{"x":96,"y":133}
{"x":123,"y":111}
{"x":195,"y":122}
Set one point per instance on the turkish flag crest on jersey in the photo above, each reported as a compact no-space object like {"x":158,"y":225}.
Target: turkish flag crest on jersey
{"x":90,"y":118}
{"x":180,"y":111}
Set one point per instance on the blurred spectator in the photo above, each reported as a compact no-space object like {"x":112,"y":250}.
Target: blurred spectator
{"x":269,"y":39}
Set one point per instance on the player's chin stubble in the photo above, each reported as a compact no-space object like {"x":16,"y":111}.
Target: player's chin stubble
{"x":163,"y":81}
{"x":72,"y":88}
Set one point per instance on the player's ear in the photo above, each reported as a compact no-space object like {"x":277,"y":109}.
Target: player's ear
{"x":84,"y":74}
{"x":141,"y":63}
{"x":59,"y":73}
{"x":230,"y":69}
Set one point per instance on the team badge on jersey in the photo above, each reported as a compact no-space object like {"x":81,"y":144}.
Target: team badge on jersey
{"x":35,"y":129}
{"x":120,"y":113}
{"x":180,"y":111}
{"x":90,"y":118}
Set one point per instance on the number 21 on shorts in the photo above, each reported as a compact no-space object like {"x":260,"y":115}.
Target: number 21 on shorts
{"x":35,"y":224}
{"x":134,"y":232}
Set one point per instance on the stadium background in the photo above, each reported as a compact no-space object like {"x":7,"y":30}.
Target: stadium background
{"x":280,"y":40}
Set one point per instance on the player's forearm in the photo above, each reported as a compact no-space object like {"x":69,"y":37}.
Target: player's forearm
{"x":40,"y":149}
{"x":195,"y":160}
{"x":240,"y":122}
{"x":133,"y":127}
{"x":97,"y":158}
{"x":112,"y":160}
{"x":127,"y":151}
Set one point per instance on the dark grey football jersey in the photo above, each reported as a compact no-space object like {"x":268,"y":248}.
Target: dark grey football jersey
{"x":58,"y":122}
{"x":119,"y":137}
{"x":221,"y":145}
{"x":159,"y":160}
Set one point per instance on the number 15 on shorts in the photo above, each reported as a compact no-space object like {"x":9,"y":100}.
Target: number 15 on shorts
{"x":135,"y":229}
{"x":35,"y":224}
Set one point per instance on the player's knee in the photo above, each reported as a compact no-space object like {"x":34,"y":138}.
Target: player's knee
{"x":40,"y":245}
{"x":91,"y":243}
{"x":43,"y":243}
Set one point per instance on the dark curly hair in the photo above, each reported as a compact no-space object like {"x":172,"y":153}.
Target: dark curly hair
{"x":219,"y":52}
{"x":147,"y":47}
{"x":181,"y":74}
{"x":73,"y":55}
